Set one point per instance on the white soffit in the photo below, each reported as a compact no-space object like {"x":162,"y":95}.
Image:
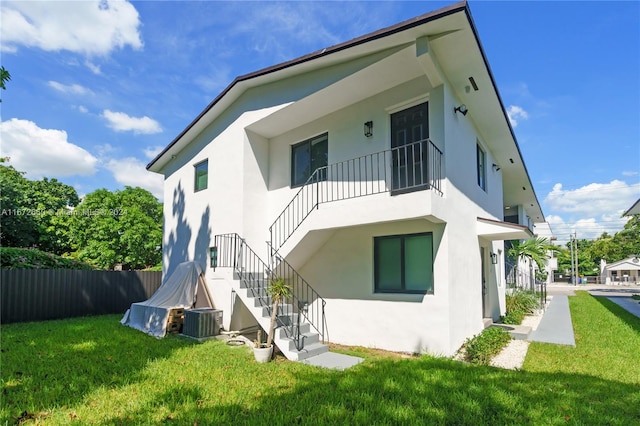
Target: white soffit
{"x":495,"y":230}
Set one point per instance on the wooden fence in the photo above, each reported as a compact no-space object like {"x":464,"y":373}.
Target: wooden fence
{"x":43,"y":294}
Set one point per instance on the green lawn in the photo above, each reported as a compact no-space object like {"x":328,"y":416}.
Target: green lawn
{"x":96,"y":371}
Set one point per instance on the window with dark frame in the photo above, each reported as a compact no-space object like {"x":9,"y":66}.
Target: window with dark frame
{"x":201,"y":173}
{"x":482,"y":168}
{"x":404,"y":263}
{"x":306,"y":157}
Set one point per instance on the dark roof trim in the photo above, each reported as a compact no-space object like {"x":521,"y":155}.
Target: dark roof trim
{"x":504,"y":111}
{"x":384,"y":32}
{"x":634,"y":207}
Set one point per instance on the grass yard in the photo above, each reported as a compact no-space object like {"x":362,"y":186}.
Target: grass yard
{"x":96,"y":371}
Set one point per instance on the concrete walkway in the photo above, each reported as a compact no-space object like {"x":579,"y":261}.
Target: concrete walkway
{"x":333,"y":361}
{"x":627,"y":303}
{"x":555,"y":325}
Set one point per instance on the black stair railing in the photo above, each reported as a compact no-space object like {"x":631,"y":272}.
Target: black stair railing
{"x":256,"y":275}
{"x":406,"y":168}
{"x":310,"y":304}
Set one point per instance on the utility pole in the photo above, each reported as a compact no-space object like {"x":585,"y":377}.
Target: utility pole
{"x":575,"y":238}
{"x":571,"y":247}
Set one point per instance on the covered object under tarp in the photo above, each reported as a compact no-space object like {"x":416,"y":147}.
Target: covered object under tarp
{"x":185,"y":289}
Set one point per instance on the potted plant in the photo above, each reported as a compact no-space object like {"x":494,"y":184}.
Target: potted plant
{"x":261,"y":352}
{"x":278,"y":290}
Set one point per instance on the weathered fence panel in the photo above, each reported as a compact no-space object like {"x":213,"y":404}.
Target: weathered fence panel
{"x":44,"y":294}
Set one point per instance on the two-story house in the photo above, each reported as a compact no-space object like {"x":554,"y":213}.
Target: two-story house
{"x":382,"y":172}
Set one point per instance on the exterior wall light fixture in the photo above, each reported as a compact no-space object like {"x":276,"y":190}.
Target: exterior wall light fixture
{"x":494,"y":259}
{"x":368,"y":129}
{"x":462,"y":109}
{"x":496,"y":168}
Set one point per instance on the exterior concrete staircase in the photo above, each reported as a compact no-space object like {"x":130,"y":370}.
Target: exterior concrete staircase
{"x":260,"y":306}
{"x":249,"y":277}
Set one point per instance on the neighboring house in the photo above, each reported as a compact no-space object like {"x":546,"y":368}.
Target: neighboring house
{"x":634,"y":209}
{"x":626,"y":271}
{"x":383,"y":172}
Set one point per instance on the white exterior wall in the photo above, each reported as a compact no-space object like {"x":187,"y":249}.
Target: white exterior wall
{"x":249,"y":178}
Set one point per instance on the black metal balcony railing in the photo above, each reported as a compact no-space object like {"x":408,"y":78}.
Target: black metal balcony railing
{"x":304,"y":304}
{"x":407,"y":168}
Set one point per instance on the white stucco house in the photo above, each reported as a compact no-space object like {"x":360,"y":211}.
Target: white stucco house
{"x":622,"y":272}
{"x":382,"y":172}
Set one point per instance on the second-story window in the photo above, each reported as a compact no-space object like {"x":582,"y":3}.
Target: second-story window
{"x":201,"y":176}
{"x":308,"y":156}
{"x":482,"y":168}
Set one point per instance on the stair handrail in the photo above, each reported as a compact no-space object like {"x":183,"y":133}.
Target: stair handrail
{"x":309,"y":302}
{"x":365,"y":175}
{"x":246,"y":264}
{"x":256,"y":275}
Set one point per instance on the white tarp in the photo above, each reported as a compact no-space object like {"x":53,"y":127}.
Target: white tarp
{"x":178,"y":291}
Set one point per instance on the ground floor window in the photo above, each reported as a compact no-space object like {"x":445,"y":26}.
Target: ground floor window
{"x":403,"y":263}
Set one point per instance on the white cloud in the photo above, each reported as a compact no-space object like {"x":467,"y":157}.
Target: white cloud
{"x":152,"y":151}
{"x":83,"y":109}
{"x":132,"y":172}
{"x":74,"y":89}
{"x":43,"y":152}
{"x":516,"y":113}
{"x":91,"y":27}
{"x":93,"y":67}
{"x":595,"y":199}
{"x":588,"y":228}
{"x":121,"y":122}
{"x":590,"y":210}
{"x":630,"y":173}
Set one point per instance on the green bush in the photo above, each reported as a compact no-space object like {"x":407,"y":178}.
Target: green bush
{"x":513,"y":318}
{"x":480,"y":349}
{"x":21,"y":258}
{"x":519,"y":305}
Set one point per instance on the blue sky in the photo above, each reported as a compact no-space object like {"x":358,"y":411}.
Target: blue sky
{"x":99,"y":87}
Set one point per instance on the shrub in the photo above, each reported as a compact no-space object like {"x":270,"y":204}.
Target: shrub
{"x":21,"y":258}
{"x":519,"y":305}
{"x":513,"y":317}
{"x":480,"y":349}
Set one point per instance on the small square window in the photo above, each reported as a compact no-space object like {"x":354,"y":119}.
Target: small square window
{"x":201,"y":175}
{"x":404,"y":263}
{"x":308,"y":156}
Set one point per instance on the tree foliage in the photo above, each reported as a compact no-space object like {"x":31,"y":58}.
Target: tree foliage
{"x":610,"y":248}
{"x":22,"y":258}
{"x":4,"y":77}
{"x":120,"y":227}
{"x":34,"y":212}
{"x":534,"y":249}
{"x":105,"y":229}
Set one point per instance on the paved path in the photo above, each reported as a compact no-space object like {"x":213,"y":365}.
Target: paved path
{"x":628,"y":303}
{"x":555,"y":325}
{"x":333,"y":360}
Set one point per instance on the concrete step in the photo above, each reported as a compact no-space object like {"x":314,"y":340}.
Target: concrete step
{"x":333,"y":361}
{"x":518,"y":332}
{"x":488,"y":322}
{"x":304,"y":328}
{"x":309,"y":351}
{"x":308,"y":339}
{"x":283,"y":310}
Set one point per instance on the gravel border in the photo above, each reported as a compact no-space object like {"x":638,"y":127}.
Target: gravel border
{"x":513,"y":355}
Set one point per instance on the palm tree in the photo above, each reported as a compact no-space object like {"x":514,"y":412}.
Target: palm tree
{"x":533,"y":249}
{"x":279,"y":291}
